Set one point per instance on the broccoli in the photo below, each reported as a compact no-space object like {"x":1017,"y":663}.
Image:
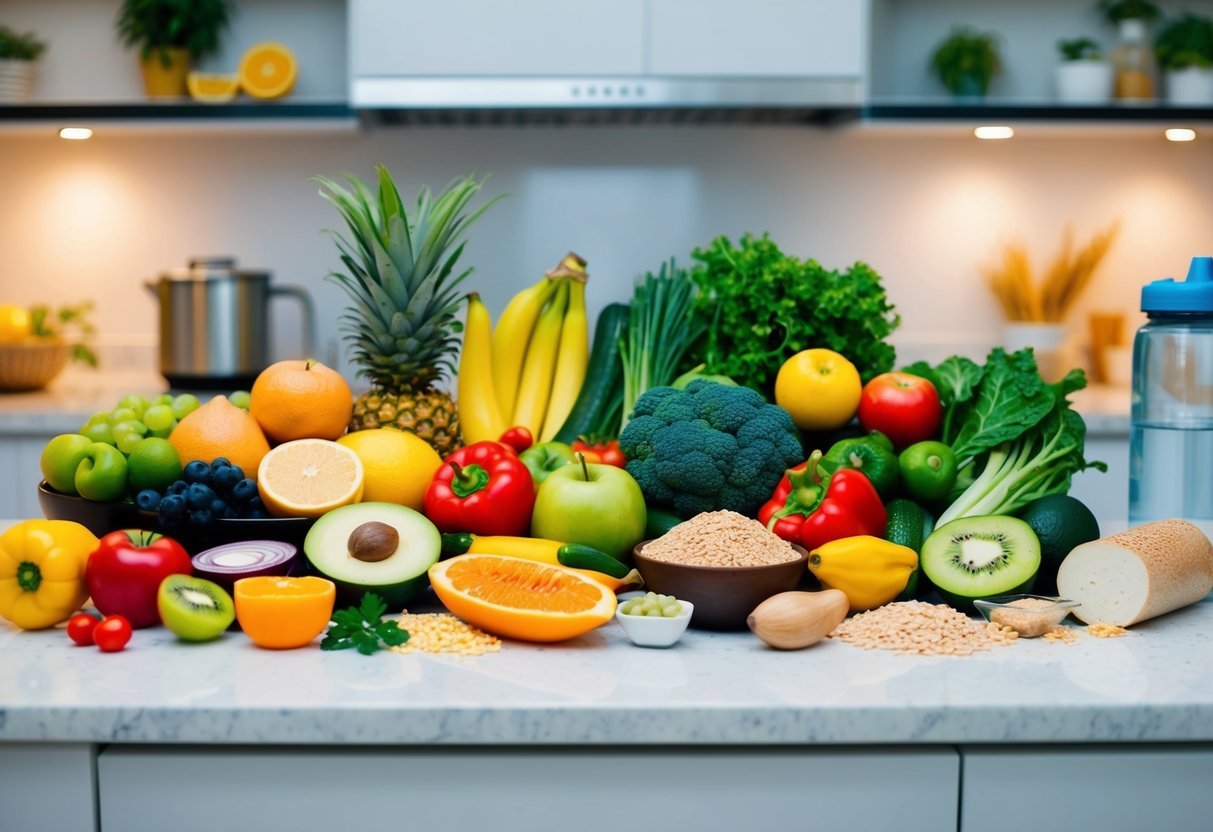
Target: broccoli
{"x":708,"y":447}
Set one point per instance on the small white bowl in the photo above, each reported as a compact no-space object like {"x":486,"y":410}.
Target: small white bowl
{"x":651,"y":631}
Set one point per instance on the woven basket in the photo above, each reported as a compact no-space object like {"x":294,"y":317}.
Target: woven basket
{"x":32,"y":366}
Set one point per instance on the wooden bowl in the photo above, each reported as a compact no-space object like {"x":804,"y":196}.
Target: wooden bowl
{"x":31,"y":365}
{"x":723,"y":596}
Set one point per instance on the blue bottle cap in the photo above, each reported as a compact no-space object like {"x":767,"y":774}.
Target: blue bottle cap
{"x":1192,"y":295}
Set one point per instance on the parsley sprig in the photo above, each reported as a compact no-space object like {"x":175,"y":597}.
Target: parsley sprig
{"x":361,"y":627}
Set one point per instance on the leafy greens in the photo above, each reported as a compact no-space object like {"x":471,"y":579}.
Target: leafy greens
{"x":362,"y":628}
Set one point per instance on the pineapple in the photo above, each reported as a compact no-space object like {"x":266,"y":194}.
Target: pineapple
{"x":400,"y":274}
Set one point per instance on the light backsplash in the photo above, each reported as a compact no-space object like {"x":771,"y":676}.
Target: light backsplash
{"x":96,"y":219}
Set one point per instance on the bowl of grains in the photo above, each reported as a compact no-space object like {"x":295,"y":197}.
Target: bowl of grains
{"x":722,"y":562}
{"x":1028,"y":615}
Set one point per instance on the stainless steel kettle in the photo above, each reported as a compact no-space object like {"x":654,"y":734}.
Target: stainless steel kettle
{"x":214,"y":323}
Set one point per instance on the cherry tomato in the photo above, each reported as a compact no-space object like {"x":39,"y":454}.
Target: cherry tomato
{"x":112,"y":633}
{"x":903,"y":407}
{"x":80,"y":628}
{"x":607,"y":451}
{"x":518,"y":438}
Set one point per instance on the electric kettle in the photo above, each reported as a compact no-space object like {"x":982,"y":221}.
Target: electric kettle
{"x":214,"y":323}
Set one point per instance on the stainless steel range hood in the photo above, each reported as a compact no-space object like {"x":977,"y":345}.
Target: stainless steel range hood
{"x":607,"y":60}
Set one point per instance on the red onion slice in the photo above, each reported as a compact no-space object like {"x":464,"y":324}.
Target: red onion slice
{"x":244,"y":559}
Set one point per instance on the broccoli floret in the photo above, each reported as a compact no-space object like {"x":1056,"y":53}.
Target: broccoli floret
{"x":708,"y":447}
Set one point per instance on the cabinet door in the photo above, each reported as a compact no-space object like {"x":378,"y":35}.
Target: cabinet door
{"x":598,"y":790}
{"x":427,"y":38}
{"x":1112,"y":789}
{"x":780,"y":38}
{"x":47,"y":787}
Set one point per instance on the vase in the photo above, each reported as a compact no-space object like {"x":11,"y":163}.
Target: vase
{"x":1190,"y":87}
{"x":165,"y":72}
{"x":16,"y":78}
{"x":1048,"y":341}
{"x":1083,"y":82}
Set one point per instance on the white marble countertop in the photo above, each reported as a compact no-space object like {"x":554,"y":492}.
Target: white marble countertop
{"x":1155,"y":684}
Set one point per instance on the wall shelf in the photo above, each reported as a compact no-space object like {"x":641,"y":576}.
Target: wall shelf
{"x":180,"y":116}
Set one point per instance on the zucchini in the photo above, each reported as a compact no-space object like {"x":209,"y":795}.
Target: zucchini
{"x":909,"y":524}
{"x":579,"y":556}
{"x":659,"y":522}
{"x":603,"y":377}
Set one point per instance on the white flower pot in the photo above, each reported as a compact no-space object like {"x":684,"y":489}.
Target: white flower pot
{"x":1048,"y":341}
{"x":1191,"y":87}
{"x":1083,"y":82}
{"x":16,"y":77}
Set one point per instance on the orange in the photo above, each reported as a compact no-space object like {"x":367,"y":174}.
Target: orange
{"x":521,"y":598}
{"x":219,"y":428}
{"x":398,"y":465}
{"x":212,"y":88}
{"x":301,"y":399}
{"x":15,"y":323}
{"x":308,"y":478}
{"x":280,"y":613}
{"x":267,"y":70}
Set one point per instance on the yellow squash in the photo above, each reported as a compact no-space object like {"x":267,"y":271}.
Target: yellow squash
{"x":869,"y":571}
{"x":42,"y":571}
{"x":542,"y":550}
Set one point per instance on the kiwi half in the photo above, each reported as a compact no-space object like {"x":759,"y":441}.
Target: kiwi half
{"x":981,"y":557}
{"x":193,"y":608}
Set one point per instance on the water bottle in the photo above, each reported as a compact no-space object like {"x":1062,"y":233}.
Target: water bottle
{"x":1171,"y":426}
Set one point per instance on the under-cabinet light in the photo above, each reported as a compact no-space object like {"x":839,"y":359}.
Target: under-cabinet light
{"x":1180,"y":134}
{"x":994,"y":131}
{"x":76,"y":134}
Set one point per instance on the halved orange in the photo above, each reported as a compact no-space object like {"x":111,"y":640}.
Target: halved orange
{"x":282,"y":613}
{"x":309,"y":477}
{"x":267,"y":70}
{"x":520,"y":598}
{"x":212,"y":88}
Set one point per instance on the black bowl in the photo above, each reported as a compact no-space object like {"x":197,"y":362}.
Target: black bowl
{"x":98,"y":518}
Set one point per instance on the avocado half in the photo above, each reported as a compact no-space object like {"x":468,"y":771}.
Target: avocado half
{"x":383,"y":548}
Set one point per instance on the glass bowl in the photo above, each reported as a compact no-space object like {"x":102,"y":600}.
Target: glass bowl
{"x":1028,"y":621}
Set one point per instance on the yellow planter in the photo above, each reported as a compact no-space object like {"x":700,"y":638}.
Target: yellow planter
{"x":160,"y":81}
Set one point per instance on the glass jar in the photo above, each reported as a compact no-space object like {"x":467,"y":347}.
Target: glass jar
{"x":1133,"y":63}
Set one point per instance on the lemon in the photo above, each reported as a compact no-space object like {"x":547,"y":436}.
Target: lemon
{"x":398,"y":465}
{"x":14,"y":323}
{"x":212,"y":88}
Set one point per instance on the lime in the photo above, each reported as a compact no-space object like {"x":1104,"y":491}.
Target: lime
{"x":928,"y":470}
{"x":153,"y":463}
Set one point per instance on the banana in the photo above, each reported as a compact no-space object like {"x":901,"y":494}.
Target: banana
{"x":571,"y":361}
{"x":511,"y":337}
{"x":479,"y":415}
{"x":540,"y":365}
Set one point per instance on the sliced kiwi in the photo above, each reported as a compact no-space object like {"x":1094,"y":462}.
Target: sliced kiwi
{"x":193,"y":608}
{"x":980,"y":557}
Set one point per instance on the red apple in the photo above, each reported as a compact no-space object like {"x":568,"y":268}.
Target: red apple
{"x":124,"y":573}
{"x":903,"y":407}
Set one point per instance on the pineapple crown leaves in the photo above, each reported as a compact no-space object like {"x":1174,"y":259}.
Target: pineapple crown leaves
{"x":401,"y":275}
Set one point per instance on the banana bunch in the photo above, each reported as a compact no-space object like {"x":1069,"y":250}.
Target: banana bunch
{"x":529,"y":370}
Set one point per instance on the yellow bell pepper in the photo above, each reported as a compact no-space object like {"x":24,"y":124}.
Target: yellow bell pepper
{"x":42,"y":571}
{"x":869,"y":571}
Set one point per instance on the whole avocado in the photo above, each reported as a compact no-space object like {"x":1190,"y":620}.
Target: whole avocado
{"x":708,"y":447}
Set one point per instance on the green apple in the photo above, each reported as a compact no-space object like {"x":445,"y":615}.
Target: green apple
{"x":60,"y":459}
{"x":546,"y":457}
{"x":101,"y":475}
{"x":597,"y":505}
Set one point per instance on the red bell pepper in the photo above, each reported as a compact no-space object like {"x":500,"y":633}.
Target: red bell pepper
{"x":484,"y":489}
{"x":811,"y":508}
{"x":606,"y":450}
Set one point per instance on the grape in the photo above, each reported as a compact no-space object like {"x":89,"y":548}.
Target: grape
{"x":199,"y":496}
{"x":158,"y":417}
{"x":147,"y":500}
{"x":123,"y":414}
{"x":179,"y":487}
{"x":164,"y":433}
{"x":163,"y":398}
{"x":240,"y":399}
{"x":184,"y":405}
{"x":101,"y":417}
{"x":197,"y":471}
{"x":653,"y":605}
{"x":172,"y":507}
{"x":101,"y":432}
{"x":135,"y":402}
{"x":127,"y":442}
{"x":244,"y":491}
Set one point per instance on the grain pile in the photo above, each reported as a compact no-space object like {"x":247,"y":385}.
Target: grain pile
{"x":1060,"y":634}
{"x":914,"y":627}
{"x":1026,"y":616}
{"x":1102,"y":629}
{"x":721,"y":538}
{"x":440,"y":632}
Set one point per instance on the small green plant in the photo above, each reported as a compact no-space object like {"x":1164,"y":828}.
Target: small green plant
{"x":1118,"y":10}
{"x":1185,"y":42}
{"x":158,"y":25}
{"x":1079,"y":49}
{"x":966,"y":61}
{"x":15,"y":46}
{"x":64,"y":323}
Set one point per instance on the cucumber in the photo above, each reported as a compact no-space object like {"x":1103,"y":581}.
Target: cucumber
{"x":579,"y":556}
{"x":659,"y":522}
{"x":602,"y":378}
{"x":909,"y":524}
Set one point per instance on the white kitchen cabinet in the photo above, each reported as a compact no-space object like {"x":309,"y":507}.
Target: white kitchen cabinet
{"x":595,"y":790}
{"x":1107,"y":495}
{"x":47,"y":787}
{"x":19,"y":462}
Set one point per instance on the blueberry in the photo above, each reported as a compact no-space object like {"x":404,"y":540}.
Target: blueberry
{"x":220,"y":462}
{"x":254,"y":514}
{"x":199,"y":496}
{"x":224,"y":479}
{"x":243,"y":491}
{"x":172,"y":507}
{"x":147,"y":500}
{"x":178,"y":487}
{"x":218,"y":507}
{"x":231,"y":513}
{"x":197,"y":472}
{"x":200,"y":517}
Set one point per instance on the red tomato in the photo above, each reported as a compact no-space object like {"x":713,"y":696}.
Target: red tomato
{"x":80,"y":628}
{"x":518,"y":438}
{"x":903,"y":407}
{"x":607,"y":451}
{"x":112,"y":633}
{"x":124,"y":573}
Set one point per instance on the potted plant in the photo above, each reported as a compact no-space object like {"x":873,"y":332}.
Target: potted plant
{"x":17,"y":55}
{"x":1083,"y":76}
{"x":966,"y":61}
{"x":1132,"y":59}
{"x":169,"y":33}
{"x":1185,"y":53}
